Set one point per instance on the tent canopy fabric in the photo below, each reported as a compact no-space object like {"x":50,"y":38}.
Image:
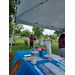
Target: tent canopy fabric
{"x":48,"y":14}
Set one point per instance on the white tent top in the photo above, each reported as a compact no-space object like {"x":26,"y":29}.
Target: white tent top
{"x":48,"y":14}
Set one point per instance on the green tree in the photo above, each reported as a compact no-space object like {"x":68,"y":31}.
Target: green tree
{"x":32,"y":33}
{"x":53,"y":37}
{"x":56,"y":33}
{"x":25,"y":32}
{"x":17,"y":28}
{"x":10,"y":28}
{"x":11,"y":9}
{"x":38,"y":32}
{"x":46,"y":36}
{"x":11,"y":14}
{"x":42,"y":35}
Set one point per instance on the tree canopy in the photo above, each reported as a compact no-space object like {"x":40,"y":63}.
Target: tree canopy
{"x":38,"y":32}
{"x":17,"y":28}
{"x":11,"y":9}
{"x":56,"y":33}
{"x":25,"y":33}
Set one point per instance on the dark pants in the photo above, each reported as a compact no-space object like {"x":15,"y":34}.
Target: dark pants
{"x":26,"y":43}
{"x":60,"y":47}
{"x":31,"y":45}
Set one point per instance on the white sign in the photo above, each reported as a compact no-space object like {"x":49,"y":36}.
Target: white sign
{"x":54,"y":69}
{"x":43,"y":43}
{"x":48,"y":45}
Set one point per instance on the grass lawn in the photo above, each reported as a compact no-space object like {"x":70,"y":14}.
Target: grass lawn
{"x":21,"y":46}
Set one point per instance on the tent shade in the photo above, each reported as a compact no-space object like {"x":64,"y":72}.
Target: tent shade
{"x":48,"y":14}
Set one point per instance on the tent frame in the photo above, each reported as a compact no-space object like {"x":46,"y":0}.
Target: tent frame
{"x":31,"y":8}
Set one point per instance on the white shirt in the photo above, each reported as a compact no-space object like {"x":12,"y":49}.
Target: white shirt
{"x":26,"y":39}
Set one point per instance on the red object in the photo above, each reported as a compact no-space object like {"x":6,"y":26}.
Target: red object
{"x":15,"y":68}
{"x":10,"y":57}
{"x":62,"y":42}
{"x":46,"y":57}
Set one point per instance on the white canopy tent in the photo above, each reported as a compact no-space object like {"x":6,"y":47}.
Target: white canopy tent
{"x":48,"y":14}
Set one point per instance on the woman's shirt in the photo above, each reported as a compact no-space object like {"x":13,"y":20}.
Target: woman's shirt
{"x":62,"y":42}
{"x":31,"y":39}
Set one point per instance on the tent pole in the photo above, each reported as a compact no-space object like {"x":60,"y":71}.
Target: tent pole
{"x":14,"y":25}
{"x":12,"y":37}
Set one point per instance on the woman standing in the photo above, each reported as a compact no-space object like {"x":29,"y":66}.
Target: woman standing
{"x":31,"y":41}
{"x":62,"y":41}
{"x":61,"y":51}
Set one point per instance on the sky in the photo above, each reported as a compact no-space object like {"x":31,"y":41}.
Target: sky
{"x":46,"y":31}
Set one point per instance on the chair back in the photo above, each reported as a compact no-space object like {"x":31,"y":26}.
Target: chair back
{"x":15,"y":68}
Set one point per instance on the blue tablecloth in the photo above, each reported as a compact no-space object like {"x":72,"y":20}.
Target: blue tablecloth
{"x":25,"y":67}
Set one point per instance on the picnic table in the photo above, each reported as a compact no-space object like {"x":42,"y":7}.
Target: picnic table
{"x":54,"y":67}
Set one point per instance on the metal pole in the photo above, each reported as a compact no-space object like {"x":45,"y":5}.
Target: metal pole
{"x":13,"y":28}
{"x":12,"y":37}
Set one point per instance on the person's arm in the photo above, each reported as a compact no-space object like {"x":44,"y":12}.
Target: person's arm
{"x":33,"y":37}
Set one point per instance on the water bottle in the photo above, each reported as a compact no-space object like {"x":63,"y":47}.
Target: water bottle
{"x":34,"y":55}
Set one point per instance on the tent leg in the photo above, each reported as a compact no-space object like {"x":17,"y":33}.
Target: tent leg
{"x":12,"y":38}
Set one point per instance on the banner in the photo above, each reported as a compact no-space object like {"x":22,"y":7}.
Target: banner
{"x":43,"y":43}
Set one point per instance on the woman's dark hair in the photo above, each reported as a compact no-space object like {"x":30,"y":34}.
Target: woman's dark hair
{"x":62,"y":36}
{"x":31,"y":35}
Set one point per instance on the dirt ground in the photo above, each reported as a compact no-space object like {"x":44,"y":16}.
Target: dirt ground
{"x":13,"y":44}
